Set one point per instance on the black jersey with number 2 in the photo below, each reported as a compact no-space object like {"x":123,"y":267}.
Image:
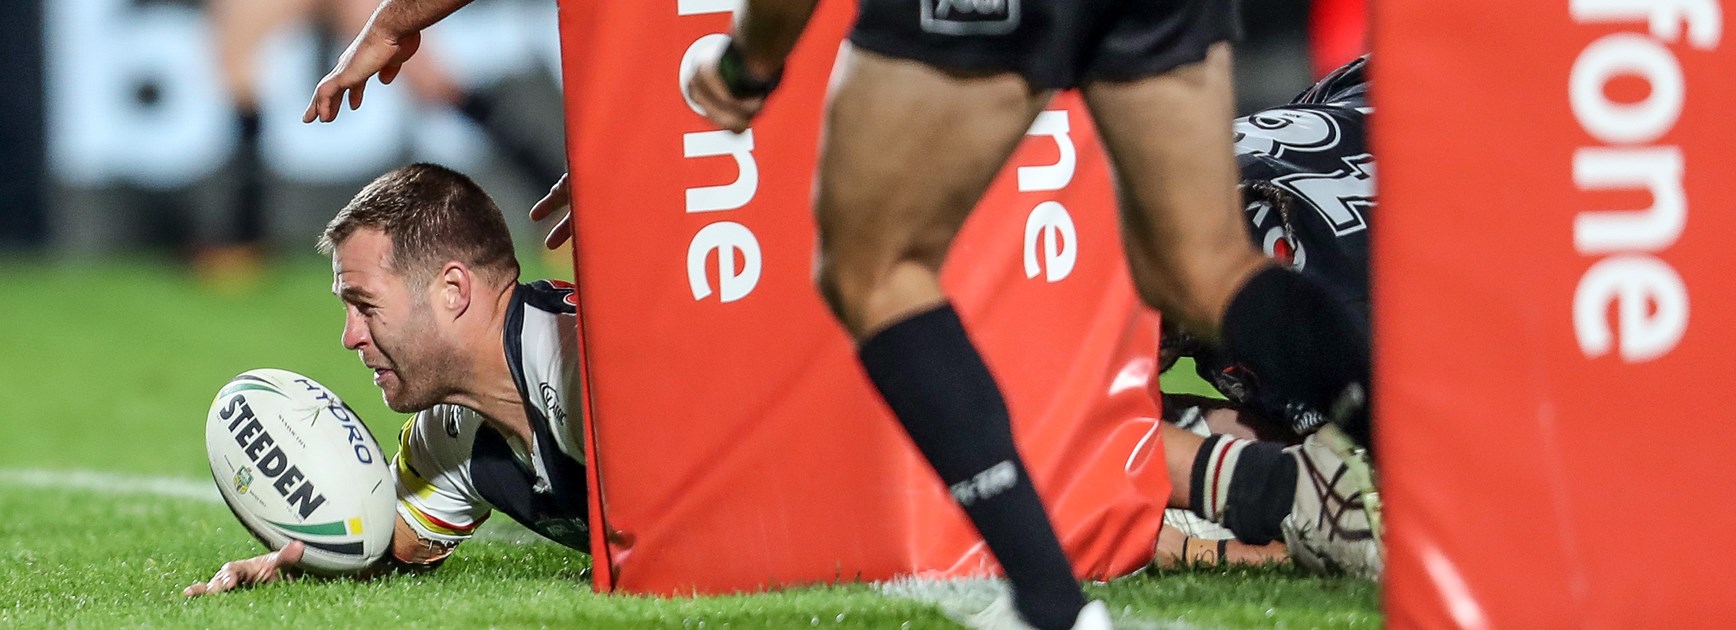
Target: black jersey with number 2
{"x":1308,"y":180}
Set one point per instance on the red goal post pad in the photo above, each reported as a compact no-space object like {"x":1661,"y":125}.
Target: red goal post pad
{"x":1554,"y":312}
{"x":736,"y":444}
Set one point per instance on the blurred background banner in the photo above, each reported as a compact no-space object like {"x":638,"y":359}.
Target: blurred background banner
{"x":175,"y":125}
{"x":22,"y":164}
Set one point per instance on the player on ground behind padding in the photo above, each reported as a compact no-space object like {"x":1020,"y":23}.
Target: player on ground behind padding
{"x":1308,"y":181}
{"x":424,"y":265}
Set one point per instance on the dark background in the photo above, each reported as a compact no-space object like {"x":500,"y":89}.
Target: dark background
{"x":46,"y":212}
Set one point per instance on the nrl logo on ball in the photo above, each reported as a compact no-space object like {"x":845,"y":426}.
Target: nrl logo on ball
{"x":243,"y":480}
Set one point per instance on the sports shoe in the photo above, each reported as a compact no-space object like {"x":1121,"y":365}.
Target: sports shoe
{"x":1334,"y":522}
{"x":1001,"y":614}
{"x":1094,"y":616}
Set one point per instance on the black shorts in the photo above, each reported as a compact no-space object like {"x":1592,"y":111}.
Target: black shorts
{"x":1054,"y":44}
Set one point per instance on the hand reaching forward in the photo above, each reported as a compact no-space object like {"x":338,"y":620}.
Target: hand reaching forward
{"x":373,"y":52}
{"x":262,"y":569}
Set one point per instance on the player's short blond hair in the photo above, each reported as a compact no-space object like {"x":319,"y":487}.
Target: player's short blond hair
{"x":434,"y":215}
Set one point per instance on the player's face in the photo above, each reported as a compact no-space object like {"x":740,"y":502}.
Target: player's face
{"x":390,"y":325}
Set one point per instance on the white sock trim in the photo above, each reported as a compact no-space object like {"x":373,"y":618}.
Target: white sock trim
{"x":1220,"y":468}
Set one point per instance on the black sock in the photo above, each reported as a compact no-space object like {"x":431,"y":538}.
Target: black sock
{"x":1261,"y":492}
{"x":1247,"y":486}
{"x":1302,"y":342}
{"x":935,"y":382}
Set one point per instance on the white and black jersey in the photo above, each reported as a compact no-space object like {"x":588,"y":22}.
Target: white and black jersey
{"x":1308,"y":182}
{"x":453,"y":470}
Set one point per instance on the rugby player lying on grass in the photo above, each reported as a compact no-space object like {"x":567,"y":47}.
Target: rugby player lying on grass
{"x":424,"y":265}
{"x":452,"y":337}
{"x":1308,"y":188}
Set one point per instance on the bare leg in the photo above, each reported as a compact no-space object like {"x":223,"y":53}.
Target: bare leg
{"x":908,"y":152}
{"x":1179,"y":448}
{"x":1169,"y":136}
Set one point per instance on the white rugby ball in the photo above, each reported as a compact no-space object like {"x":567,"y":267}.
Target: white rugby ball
{"x":295,"y":463}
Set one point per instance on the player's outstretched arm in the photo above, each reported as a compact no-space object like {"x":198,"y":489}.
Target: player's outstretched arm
{"x":390,"y":37}
{"x":410,"y":552}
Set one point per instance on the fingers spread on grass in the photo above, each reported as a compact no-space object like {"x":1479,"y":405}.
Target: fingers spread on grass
{"x":250,"y":572}
{"x":222,"y":581}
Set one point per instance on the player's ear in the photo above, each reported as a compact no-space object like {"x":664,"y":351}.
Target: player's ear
{"x":456,"y":284}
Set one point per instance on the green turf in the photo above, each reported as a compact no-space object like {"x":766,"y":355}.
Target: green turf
{"x":111,"y":368}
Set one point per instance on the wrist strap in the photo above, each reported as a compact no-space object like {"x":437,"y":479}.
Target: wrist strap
{"x":732,"y":66}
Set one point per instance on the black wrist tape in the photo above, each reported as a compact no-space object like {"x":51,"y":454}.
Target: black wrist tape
{"x":732,"y":66}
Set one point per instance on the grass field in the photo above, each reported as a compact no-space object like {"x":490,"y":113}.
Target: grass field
{"x":106,"y":509}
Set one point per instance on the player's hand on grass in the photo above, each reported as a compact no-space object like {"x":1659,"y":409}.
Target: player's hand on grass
{"x":262,"y":569}
{"x":374,"y":51}
{"x":560,"y":195}
{"x":1176,"y":548}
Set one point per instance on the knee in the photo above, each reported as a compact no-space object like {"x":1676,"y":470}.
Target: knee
{"x":1184,"y":302}
{"x":1196,"y":292}
{"x":862,"y":289}
{"x":848,"y":282}
{"x":838,"y":286}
